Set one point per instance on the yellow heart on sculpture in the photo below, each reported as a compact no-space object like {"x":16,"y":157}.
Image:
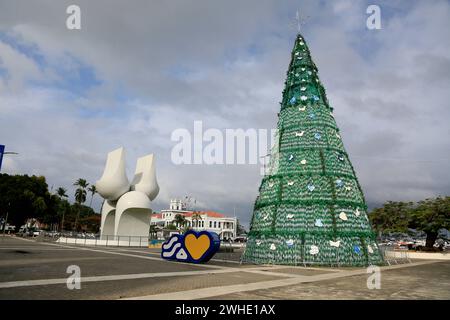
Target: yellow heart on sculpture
{"x":197,"y":246}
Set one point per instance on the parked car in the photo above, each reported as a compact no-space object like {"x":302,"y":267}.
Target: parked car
{"x":52,"y":234}
{"x":240,"y":239}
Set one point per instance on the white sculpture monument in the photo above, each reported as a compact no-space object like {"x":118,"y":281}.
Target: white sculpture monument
{"x":126,"y":210}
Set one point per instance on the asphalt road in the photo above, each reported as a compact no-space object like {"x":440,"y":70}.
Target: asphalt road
{"x":38,"y":270}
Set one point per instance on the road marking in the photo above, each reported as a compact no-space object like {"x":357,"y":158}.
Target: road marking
{"x":158,"y":254}
{"x":131,"y":255}
{"x":37,"y":248}
{"x":44,"y":282}
{"x":35,"y":261}
{"x":225,"y":290}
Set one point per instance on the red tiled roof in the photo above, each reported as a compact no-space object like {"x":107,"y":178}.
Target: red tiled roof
{"x":211,"y":214}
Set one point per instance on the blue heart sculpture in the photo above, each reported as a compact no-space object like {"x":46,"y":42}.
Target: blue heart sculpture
{"x":193,"y":246}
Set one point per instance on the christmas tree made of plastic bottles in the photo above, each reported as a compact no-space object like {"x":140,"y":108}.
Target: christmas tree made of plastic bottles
{"x":310,"y":209}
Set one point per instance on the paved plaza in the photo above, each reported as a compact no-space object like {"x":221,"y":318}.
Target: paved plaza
{"x":37,"y":270}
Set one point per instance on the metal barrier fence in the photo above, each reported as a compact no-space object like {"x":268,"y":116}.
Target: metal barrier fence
{"x":389,"y":254}
{"x":108,"y":241}
{"x":392,"y":256}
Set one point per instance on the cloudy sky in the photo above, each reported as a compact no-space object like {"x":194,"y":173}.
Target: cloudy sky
{"x":137,"y":70}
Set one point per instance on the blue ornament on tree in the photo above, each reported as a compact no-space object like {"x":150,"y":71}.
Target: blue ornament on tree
{"x":311,"y":187}
{"x":292,"y":101}
{"x":315,"y":98}
{"x":318,"y":136}
{"x":291,"y":157}
{"x":339,"y":183}
{"x":357,"y":249}
{"x":312,"y":116}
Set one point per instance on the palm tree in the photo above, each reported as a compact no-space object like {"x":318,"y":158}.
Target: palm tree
{"x":80,"y":196}
{"x":153,"y":231}
{"x":93,"y":190}
{"x":196,"y":217}
{"x":61,"y":192}
{"x":82,"y":183}
{"x":179,"y":220}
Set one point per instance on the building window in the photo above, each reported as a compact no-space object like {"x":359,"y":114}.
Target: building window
{"x":210,"y":224}
{"x":219,"y":224}
{"x":215,"y":224}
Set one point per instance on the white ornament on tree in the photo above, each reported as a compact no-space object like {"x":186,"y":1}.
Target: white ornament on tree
{"x":335,"y":243}
{"x":318,"y":223}
{"x":343,"y":216}
{"x":314,"y":250}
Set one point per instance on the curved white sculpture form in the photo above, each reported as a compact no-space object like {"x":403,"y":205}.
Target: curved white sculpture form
{"x":125,"y":212}
{"x":132,"y":216}
{"x":145,"y":177}
{"x":114,"y":181}
{"x":108,"y":218}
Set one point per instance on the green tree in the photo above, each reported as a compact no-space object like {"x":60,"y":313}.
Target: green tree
{"x":62,"y":194}
{"x":392,"y":217}
{"x":429,"y":216}
{"x":240,"y":230}
{"x":24,"y":197}
{"x":196,"y":217}
{"x":80,"y":196}
{"x":93,"y":190}
{"x":153,"y":231}
{"x":179,"y":221}
{"x":171,"y":226}
{"x":18,"y":194}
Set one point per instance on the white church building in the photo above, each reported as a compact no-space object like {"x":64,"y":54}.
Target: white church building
{"x":225,"y":227}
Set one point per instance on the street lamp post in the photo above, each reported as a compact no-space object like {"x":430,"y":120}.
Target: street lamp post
{"x":6,"y":220}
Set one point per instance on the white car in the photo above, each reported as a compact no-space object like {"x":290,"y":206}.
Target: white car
{"x":36,"y":233}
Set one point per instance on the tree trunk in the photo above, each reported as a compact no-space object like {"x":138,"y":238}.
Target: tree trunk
{"x":76,"y":219}
{"x":431,"y":239}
